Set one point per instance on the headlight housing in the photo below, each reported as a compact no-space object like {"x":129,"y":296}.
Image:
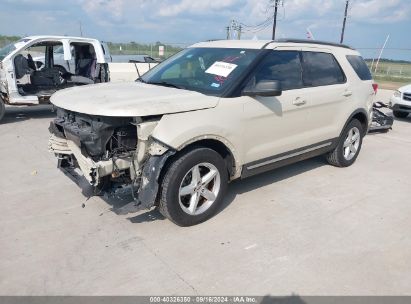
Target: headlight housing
{"x":397,"y":94}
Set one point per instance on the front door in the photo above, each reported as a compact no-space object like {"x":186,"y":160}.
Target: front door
{"x":275,"y":125}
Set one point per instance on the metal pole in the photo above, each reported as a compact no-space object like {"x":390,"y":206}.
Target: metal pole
{"x":345,"y":19}
{"x":275,"y":17}
{"x":379,"y":56}
{"x":372,"y":63}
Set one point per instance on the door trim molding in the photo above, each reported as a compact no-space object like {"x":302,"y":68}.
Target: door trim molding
{"x":289,"y":157}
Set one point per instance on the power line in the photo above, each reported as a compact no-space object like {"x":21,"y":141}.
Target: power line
{"x":240,"y":27}
{"x":260,"y":26}
{"x":257,"y":25}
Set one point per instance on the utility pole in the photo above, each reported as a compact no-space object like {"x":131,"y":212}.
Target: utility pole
{"x":228,"y":32}
{"x":275,"y":16}
{"x":239,"y":32}
{"x":345,"y":19}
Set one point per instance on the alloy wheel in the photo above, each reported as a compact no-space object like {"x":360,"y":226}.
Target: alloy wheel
{"x":199,"y":188}
{"x":351,"y":143}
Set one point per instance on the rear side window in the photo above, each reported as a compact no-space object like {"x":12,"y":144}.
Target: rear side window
{"x":284,"y":66}
{"x":359,"y":66}
{"x":321,"y":69}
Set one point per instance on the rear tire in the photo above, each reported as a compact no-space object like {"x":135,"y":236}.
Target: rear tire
{"x":349,"y":145}
{"x":400,"y":114}
{"x":193,"y":187}
{"x":2,"y":109}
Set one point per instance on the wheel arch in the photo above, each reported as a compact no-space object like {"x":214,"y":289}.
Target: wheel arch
{"x":218,"y":144}
{"x":362,"y":116}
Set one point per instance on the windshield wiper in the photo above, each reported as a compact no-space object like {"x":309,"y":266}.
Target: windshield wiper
{"x":166,"y":84}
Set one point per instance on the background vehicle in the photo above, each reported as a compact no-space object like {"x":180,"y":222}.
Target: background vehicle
{"x":34,"y":68}
{"x":400,"y":102}
{"x":69,"y":65}
{"x":215,"y":112}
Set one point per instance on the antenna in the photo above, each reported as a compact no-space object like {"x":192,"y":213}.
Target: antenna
{"x":81,"y":30}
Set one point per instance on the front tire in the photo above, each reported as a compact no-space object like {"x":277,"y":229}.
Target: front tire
{"x":349,"y":145}
{"x":400,"y":114}
{"x":193,"y":187}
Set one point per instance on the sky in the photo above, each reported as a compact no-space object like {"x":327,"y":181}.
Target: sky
{"x":183,"y":22}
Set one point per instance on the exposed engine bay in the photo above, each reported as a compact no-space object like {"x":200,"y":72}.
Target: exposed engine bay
{"x":112,"y":153}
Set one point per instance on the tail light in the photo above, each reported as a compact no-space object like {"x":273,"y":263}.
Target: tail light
{"x":375,"y":87}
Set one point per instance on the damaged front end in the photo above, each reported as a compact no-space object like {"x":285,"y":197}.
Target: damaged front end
{"x":112,"y":153}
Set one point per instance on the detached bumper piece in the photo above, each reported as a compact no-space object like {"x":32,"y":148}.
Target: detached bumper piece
{"x":380,"y":121}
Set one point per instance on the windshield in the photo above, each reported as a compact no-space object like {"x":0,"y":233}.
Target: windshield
{"x":206,"y":70}
{"x":4,"y":51}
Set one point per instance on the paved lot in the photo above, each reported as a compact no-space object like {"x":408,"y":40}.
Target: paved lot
{"x":305,"y":229}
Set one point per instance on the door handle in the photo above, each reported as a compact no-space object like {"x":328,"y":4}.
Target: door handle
{"x":299,"y":101}
{"x":347,"y":93}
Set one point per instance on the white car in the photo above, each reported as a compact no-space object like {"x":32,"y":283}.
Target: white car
{"x":400,"y":102}
{"x":215,"y":112}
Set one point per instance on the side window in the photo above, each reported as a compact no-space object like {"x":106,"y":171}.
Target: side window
{"x":359,"y":66}
{"x":58,"y":53}
{"x":37,"y":53}
{"x":321,"y":69}
{"x":284,"y":66}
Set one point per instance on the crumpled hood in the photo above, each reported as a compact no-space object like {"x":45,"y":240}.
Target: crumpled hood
{"x":405,"y":89}
{"x":130,"y":99}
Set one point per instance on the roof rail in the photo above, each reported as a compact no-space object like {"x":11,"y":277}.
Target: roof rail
{"x":313,"y":42}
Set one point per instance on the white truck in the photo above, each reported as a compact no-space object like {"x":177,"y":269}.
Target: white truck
{"x":35,"y":67}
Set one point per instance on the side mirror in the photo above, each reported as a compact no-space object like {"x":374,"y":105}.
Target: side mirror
{"x":264,"y":88}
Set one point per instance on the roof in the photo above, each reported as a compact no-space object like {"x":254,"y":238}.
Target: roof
{"x":58,"y":37}
{"x":261,"y":44}
{"x":310,"y":41}
{"x":247,"y":44}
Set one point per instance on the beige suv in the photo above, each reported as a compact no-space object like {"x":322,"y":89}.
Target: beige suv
{"x":214,"y":112}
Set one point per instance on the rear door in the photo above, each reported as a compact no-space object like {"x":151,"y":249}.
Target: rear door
{"x":327,"y":93}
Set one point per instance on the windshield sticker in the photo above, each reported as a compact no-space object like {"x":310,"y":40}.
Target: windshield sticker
{"x":215,"y":85}
{"x":220,"y":68}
